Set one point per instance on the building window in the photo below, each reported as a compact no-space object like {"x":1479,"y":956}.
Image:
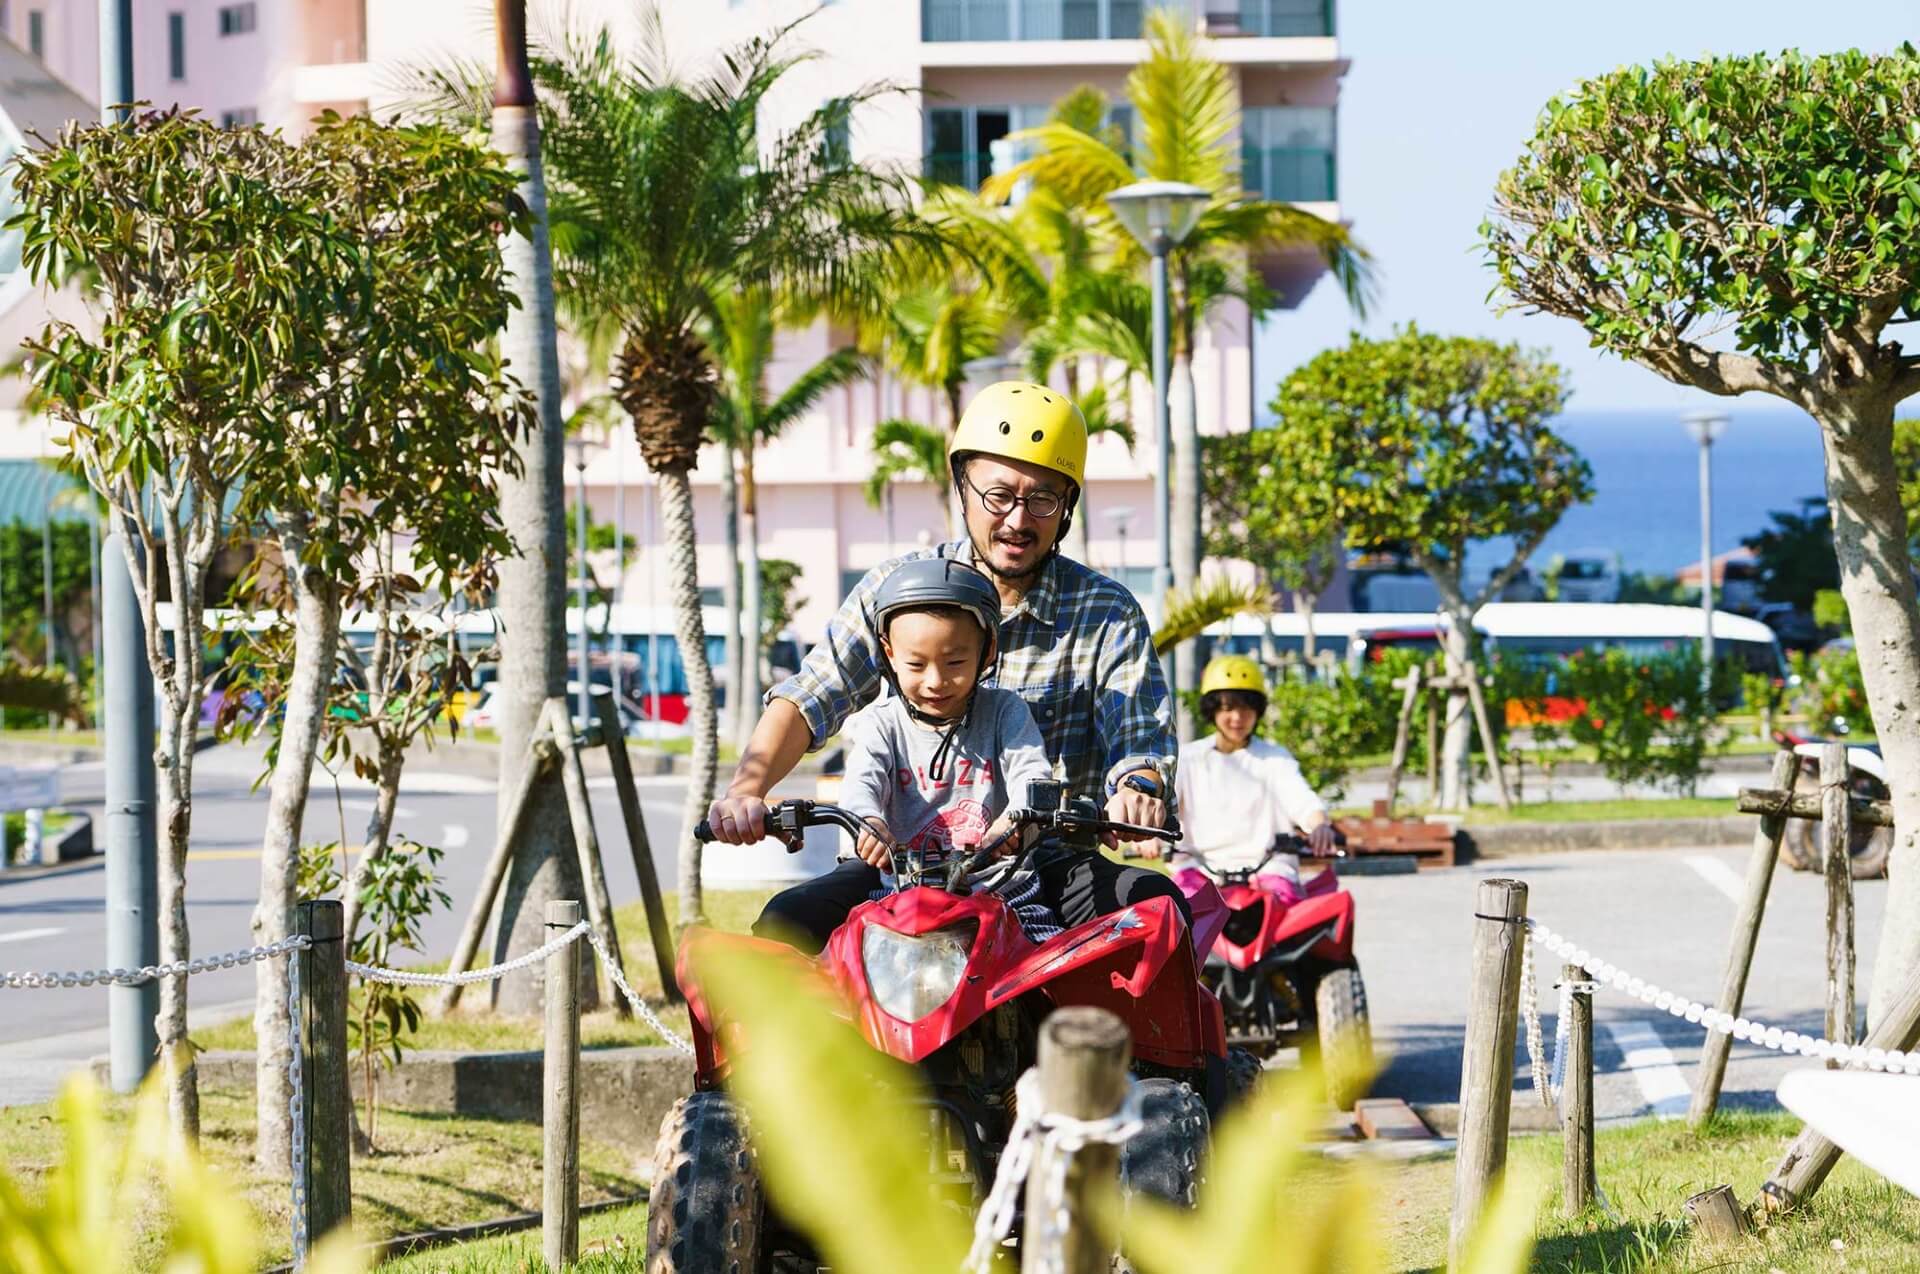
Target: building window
{"x":944,"y":20}
{"x":967,"y":144}
{"x":176,"y":46}
{"x":1286,"y":17}
{"x":836,"y":137}
{"x":1287,"y":153}
{"x":239,"y":117}
{"x":238,"y":19}
{"x":36,"y":33}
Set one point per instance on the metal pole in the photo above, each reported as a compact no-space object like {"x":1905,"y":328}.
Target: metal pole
{"x":1162,"y":428}
{"x":133,"y":855}
{"x":46,"y":581}
{"x":93,"y":597}
{"x":1706,"y":559}
{"x":116,"y":58}
{"x":617,"y":624}
{"x":580,"y":583}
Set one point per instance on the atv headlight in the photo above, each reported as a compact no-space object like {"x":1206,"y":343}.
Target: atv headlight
{"x":913,"y":974}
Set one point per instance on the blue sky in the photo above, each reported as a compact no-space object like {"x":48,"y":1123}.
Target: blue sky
{"x":1441,"y":97}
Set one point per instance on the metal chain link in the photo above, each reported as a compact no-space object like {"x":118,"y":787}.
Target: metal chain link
{"x":1033,"y":1131}
{"x":134,"y":977}
{"x":297,"y":1113}
{"x":640,"y":1006}
{"x":1892,"y":1061}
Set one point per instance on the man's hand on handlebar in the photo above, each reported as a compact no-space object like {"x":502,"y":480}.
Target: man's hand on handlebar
{"x":1129,"y":805}
{"x":738,"y":820}
{"x":875,"y":845}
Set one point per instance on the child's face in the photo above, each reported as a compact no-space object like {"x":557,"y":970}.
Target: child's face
{"x":1235,"y":718}
{"x":936,"y":660}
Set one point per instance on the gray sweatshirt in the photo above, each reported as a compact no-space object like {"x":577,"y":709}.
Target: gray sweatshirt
{"x":988,"y":767}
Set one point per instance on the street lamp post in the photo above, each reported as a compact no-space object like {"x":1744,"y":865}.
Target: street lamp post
{"x":1706,"y":425}
{"x":1122,"y":518}
{"x":1159,"y":214}
{"x":579,"y":449}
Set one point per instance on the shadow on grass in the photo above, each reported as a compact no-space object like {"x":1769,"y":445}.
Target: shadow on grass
{"x":1610,"y":1247}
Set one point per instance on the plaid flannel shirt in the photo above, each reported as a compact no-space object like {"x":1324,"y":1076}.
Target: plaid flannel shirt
{"x":1077,"y":649}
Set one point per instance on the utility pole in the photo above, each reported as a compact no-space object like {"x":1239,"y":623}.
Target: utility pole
{"x":133,"y":846}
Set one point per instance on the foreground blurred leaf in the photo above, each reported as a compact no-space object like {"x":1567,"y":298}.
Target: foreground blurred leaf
{"x":840,"y":1141}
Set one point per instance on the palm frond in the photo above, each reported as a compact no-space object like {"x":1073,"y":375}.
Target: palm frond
{"x":1185,"y":105}
{"x":1078,"y":167}
{"x":1207,"y":603}
{"x":905,"y":450}
{"x":841,"y":367}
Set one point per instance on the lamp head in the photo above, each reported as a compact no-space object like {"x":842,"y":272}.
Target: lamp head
{"x":1152,"y":209}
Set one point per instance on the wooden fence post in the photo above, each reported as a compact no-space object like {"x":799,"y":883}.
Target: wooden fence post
{"x":638,"y":843}
{"x":1716,"y":1214}
{"x":1746,"y":932}
{"x":1576,"y":1096}
{"x":1486,"y":1061}
{"x":560,"y":1097}
{"x":586,"y":847}
{"x":1083,"y":1075}
{"x":1487,"y":744}
{"x":1836,"y":821}
{"x":1433,"y":744}
{"x":544,"y":754}
{"x":327,"y":1102}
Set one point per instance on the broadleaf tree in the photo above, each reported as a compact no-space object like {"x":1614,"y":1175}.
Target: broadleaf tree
{"x":1746,"y":225}
{"x":1256,"y":513}
{"x":1433,"y":442}
{"x":177,"y":224}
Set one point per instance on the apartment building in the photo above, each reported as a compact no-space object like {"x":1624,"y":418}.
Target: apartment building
{"x":965,"y":74}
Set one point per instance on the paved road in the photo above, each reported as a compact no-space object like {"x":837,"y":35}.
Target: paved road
{"x":1664,"y":915}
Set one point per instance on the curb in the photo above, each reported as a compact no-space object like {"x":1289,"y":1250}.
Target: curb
{"x":1512,"y":840}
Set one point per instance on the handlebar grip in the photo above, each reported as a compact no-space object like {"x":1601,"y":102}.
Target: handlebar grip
{"x":703,"y":831}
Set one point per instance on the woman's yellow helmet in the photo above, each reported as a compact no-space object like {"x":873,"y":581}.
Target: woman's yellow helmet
{"x":1233,"y":672}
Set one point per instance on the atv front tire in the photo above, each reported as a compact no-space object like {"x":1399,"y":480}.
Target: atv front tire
{"x":1163,"y":1158}
{"x":1346,"y":1036}
{"x":706,"y":1213}
{"x":1244,"y":1069}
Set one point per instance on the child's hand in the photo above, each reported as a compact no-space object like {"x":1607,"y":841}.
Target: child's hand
{"x":875,"y":846}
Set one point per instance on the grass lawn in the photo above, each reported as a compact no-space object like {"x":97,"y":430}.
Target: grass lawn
{"x":430,"y":1170}
{"x":611,"y":1242}
{"x":470,"y":1028}
{"x":1857,"y":1222}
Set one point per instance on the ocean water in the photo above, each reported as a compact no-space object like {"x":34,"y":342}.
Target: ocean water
{"x":1646,"y":479}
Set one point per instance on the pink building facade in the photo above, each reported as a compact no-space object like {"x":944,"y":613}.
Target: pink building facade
{"x":970,"y":72}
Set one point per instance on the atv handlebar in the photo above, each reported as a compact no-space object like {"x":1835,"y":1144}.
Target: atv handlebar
{"x":788,"y":821}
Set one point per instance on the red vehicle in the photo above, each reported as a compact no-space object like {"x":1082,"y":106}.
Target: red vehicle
{"x":940,"y":975}
{"x":1285,"y":972}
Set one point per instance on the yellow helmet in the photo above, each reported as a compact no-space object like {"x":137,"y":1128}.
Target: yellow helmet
{"x":1019,"y":420}
{"x":1233,"y":672}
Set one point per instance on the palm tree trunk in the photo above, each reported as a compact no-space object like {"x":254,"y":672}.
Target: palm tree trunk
{"x":532,"y":595}
{"x":751,"y":602}
{"x":1182,"y":410}
{"x":676,"y":511}
{"x":730,"y":590}
{"x":942,"y":480}
{"x":316,"y":652}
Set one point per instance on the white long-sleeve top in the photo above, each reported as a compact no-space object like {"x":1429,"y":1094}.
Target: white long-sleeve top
{"x":1232,"y":804}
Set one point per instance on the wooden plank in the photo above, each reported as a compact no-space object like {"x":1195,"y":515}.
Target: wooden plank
{"x":1837,"y":859}
{"x":560,"y":1096}
{"x":1389,"y":1119}
{"x":638,"y":843}
{"x":1578,"y":1181}
{"x":586,"y":846}
{"x":323,"y":1039}
{"x":1083,"y":1075}
{"x":1774,"y":800}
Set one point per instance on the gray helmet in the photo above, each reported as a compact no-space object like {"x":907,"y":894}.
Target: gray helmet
{"x":937,"y":581}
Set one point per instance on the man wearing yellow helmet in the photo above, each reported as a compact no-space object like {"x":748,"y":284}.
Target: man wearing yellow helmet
{"x":1254,"y":790}
{"x":1072,"y":643}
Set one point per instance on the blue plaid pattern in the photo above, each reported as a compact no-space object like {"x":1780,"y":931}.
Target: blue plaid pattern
{"x":1077,"y":649}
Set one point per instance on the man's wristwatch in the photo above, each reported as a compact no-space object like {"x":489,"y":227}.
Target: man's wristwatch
{"x":1139,"y":783}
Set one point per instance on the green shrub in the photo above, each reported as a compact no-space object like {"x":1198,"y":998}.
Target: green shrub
{"x":1831,"y":690}
{"x":1647,"y":718}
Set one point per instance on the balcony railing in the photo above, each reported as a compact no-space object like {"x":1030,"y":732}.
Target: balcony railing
{"x":1293,"y":174}
{"x":958,"y":167}
{"x":950,"y":20}
{"x":1278,"y":18}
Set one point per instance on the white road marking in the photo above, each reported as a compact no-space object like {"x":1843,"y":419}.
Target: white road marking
{"x":453,"y":836}
{"x":1718,"y":874}
{"x":1642,"y":1053}
{"x":27,"y":935}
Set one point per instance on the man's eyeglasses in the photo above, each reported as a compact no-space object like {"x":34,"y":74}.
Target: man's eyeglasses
{"x":1000,"y":501}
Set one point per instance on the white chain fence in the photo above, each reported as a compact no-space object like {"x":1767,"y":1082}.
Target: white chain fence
{"x":296,"y":1105}
{"x":1706,"y":1017}
{"x":1033,"y":1131}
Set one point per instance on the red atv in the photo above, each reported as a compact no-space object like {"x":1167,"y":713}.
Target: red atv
{"x":1285,"y":973}
{"x":939,"y":974}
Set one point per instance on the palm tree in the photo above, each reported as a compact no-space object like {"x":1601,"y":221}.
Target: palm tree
{"x":1187,"y":113}
{"x":740,"y":332}
{"x":664,"y":196}
{"x":907,"y":451}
